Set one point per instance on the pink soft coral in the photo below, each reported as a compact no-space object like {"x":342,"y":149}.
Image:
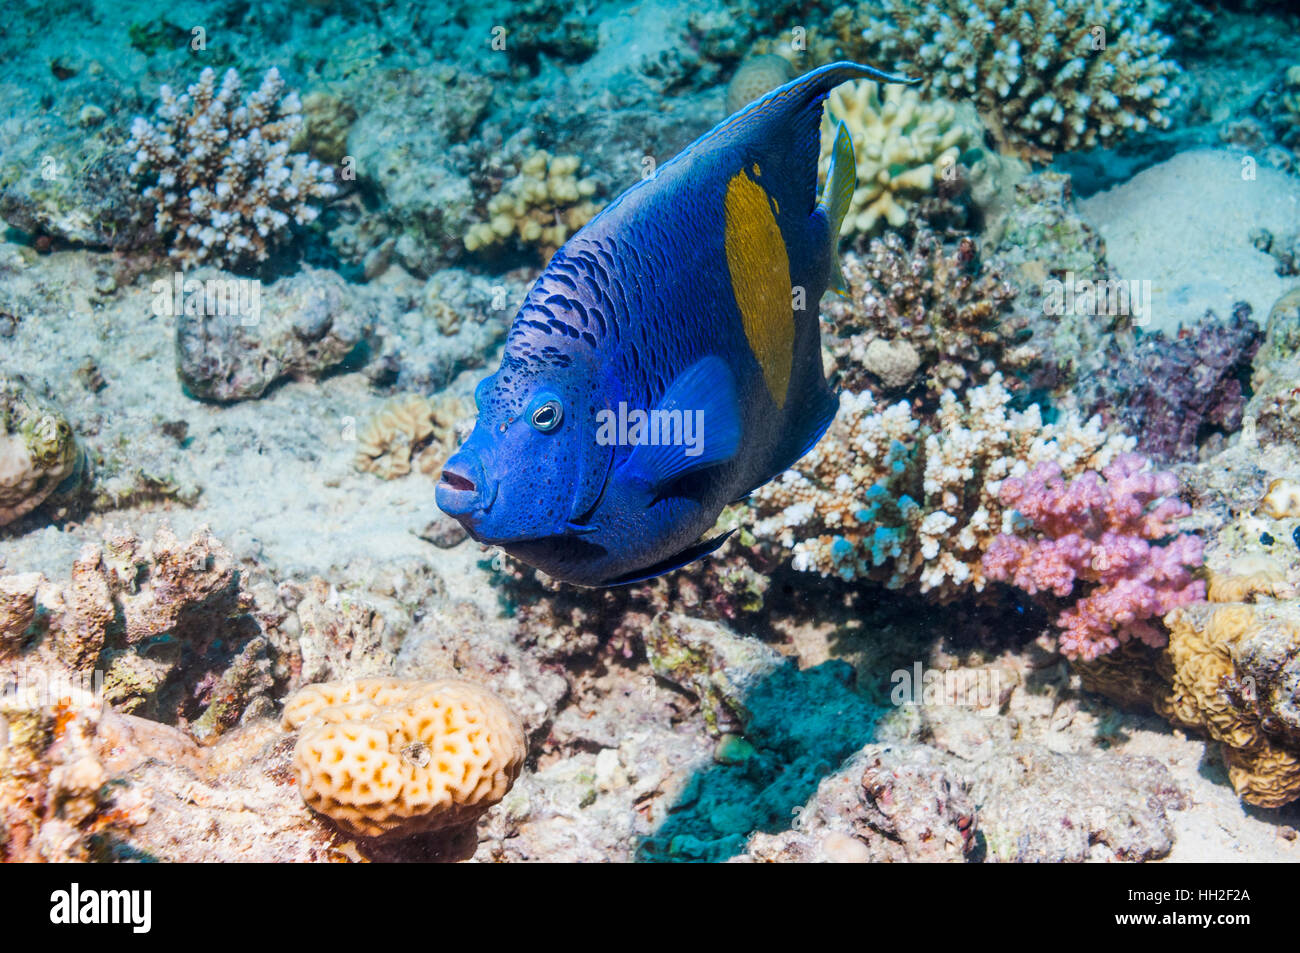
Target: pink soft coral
{"x":1106,"y":533}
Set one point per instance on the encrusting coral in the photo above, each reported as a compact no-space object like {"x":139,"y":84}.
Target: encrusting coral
{"x":890,"y":497}
{"x":223,"y":179}
{"x":386,"y":756}
{"x":927,"y":306}
{"x":1046,"y":75}
{"x":37,"y":449}
{"x":1116,"y":535}
{"x":901,"y":143}
{"x":168,"y":626}
{"x":410,"y":432}
{"x":540,"y":207}
{"x":1232,"y":670}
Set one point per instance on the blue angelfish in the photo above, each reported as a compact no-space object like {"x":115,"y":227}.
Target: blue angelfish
{"x":667,"y":362}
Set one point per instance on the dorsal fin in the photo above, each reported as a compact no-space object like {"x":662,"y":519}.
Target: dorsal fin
{"x":785,"y":126}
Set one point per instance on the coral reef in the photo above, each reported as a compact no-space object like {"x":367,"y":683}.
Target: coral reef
{"x":540,"y":207}
{"x":235,"y":344}
{"x":708,"y":661}
{"x":223,"y":179}
{"x":928,"y":306}
{"x":1274,"y":408}
{"x":56,"y":805}
{"x":1174,"y":392}
{"x":1047,"y":75}
{"x":889,"y":497}
{"x":410,"y":432}
{"x":901,"y":144}
{"x":38,"y":451}
{"x":1116,"y":535}
{"x":395,"y":757}
{"x":1280,"y":108}
{"x":407,"y":144}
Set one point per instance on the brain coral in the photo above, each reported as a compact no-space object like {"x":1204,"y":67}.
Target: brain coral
{"x":37,"y":449}
{"x":388,"y":756}
{"x":1046,"y":75}
{"x":1233,"y":670}
{"x":900,"y":142}
{"x":224,"y":182}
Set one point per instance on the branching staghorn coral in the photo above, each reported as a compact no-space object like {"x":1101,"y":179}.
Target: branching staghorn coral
{"x":1046,"y":75}
{"x":934,"y":306}
{"x":224,"y":182}
{"x":1115,"y":536}
{"x":901,"y":143}
{"x":540,"y":207}
{"x":886,"y":496}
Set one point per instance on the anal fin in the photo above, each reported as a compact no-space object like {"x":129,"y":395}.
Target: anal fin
{"x":688,"y":555}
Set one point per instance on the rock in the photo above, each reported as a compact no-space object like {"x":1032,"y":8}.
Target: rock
{"x":884,"y":804}
{"x":444,"y":532}
{"x":299,"y":327}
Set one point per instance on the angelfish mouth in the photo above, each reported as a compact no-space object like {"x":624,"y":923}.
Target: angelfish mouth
{"x":457,"y":481}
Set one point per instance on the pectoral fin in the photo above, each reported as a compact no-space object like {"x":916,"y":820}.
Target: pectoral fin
{"x":702,"y":400}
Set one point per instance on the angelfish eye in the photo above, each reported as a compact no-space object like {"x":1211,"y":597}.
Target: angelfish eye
{"x":548,"y":416}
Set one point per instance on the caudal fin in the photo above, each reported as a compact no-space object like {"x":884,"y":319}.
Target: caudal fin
{"x":837,"y":195}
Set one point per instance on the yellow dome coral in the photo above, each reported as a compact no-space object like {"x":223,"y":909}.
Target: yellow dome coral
{"x":755,"y":78}
{"x":900,"y":141}
{"x":388,"y":756}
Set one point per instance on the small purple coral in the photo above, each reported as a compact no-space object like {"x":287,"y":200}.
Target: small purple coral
{"x":1173,"y":392}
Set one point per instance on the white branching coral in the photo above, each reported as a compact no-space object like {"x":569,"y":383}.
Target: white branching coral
{"x":885,"y":496}
{"x":225,"y":184}
{"x":1047,"y":75}
{"x":900,"y":143}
